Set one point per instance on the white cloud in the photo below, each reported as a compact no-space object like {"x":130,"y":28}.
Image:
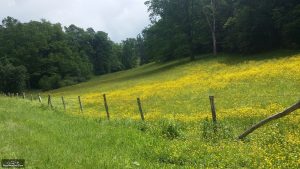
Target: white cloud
{"x":119,"y":18}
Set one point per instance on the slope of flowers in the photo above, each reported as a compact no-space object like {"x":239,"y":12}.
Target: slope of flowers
{"x":245,"y":93}
{"x":188,"y":93}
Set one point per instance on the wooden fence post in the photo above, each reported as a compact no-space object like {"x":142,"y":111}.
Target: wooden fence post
{"x":140,"y":109}
{"x":80,"y":104}
{"x":31,"y":97}
{"x":24,"y":95}
{"x":213,"y":109}
{"x":273,"y":117}
{"x":63,"y":102}
{"x":40,"y":98}
{"x":17,"y":95}
{"x":106,"y":107}
{"x":49,"y":101}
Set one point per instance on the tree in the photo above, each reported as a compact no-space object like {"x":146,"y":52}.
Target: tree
{"x":181,"y":28}
{"x":12,"y":78}
{"x":45,"y":50}
{"x":129,"y":58}
{"x":209,"y":11}
{"x":140,"y":50}
{"x":103,"y":50}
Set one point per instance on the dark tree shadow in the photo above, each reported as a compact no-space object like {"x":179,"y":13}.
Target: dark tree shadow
{"x":235,"y":59}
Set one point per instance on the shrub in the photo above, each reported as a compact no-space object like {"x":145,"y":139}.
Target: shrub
{"x":50,"y":82}
{"x":12,"y":78}
{"x":171,"y":130}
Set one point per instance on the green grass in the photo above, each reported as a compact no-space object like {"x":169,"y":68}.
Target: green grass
{"x":178,"y":132}
{"x":52,"y":139}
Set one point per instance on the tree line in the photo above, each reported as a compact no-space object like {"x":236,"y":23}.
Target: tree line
{"x":42,"y":55}
{"x":186,"y":28}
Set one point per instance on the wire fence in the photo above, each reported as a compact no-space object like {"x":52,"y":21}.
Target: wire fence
{"x":176,"y":106}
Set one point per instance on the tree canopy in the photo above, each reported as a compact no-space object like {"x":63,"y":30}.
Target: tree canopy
{"x":50,"y":56}
{"x":183,"y":28}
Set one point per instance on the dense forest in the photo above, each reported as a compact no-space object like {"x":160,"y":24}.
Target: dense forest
{"x":182,"y":28}
{"x":43,"y":55}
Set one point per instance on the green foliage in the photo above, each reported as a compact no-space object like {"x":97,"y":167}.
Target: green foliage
{"x":50,"y":82}
{"x":141,"y":50}
{"x":129,"y":57}
{"x":184,"y":27}
{"x":12,"y":78}
{"x":116,"y":64}
{"x":44,"y":49}
{"x":103,"y":50}
{"x":171,"y":130}
{"x":291,"y":31}
{"x":54,"y":56}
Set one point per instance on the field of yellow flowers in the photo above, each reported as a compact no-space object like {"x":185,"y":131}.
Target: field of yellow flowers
{"x":180,"y":89}
{"x":175,"y":99}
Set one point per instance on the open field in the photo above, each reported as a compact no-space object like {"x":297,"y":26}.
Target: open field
{"x":178,"y":130}
{"x":180,"y":89}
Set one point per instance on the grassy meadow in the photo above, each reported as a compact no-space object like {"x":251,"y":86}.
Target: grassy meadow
{"x":178,"y":131}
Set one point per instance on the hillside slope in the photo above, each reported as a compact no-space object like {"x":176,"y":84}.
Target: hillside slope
{"x":181,"y":88}
{"x":178,"y":132}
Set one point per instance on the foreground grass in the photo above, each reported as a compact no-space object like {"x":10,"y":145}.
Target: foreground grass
{"x":52,"y":139}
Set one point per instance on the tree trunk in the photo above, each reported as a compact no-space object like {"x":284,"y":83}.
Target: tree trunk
{"x":214,"y":42}
{"x":211,"y":21}
{"x":213,"y":5}
{"x":191,"y":29}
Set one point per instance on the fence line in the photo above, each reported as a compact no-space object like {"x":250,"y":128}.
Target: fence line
{"x":69,"y":103}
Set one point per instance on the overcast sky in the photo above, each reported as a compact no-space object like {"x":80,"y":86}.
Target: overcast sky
{"x":119,"y":18}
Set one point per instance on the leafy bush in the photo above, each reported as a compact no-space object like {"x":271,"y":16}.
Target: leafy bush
{"x":171,"y":130}
{"x":50,"y":82}
{"x":12,"y":78}
{"x":66,"y":82}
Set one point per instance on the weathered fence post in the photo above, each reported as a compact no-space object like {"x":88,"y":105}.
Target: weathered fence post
{"x":31,"y":97}
{"x":140,"y":109}
{"x":24,"y":96}
{"x":49,"y":102}
{"x":80,"y":104}
{"x":106,"y":107}
{"x":17,"y":95}
{"x":63,"y":102}
{"x":213,"y":109}
{"x":40,"y":98}
{"x":273,"y":117}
